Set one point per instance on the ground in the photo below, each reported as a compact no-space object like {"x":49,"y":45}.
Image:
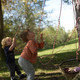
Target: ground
{"x":51,"y":71}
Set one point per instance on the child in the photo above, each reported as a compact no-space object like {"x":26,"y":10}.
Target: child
{"x":29,"y":54}
{"x":8,"y":45}
{"x":77,"y":69}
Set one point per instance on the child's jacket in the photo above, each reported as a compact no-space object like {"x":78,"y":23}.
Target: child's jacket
{"x":30,"y":50}
{"x":9,"y":55}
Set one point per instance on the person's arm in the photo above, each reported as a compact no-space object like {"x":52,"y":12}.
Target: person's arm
{"x":13,"y":44}
{"x":41,"y":44}
{"x":32,"y":46}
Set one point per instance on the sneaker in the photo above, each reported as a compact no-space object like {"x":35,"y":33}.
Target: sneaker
{"x":23,"y":76}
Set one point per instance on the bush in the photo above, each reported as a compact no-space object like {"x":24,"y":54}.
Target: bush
{"x":50,"y":36}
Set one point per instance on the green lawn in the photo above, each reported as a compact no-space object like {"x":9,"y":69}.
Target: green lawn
{"x":50,"y":71}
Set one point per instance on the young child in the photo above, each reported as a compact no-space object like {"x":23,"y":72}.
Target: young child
{"x":29,"y":54}
{"x":8,"y":45}
{"x":76,"y":69}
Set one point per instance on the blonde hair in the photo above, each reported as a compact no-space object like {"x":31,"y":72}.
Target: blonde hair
{"x":3,"y":42}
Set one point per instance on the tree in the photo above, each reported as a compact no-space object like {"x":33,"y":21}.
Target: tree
{"x":23,"y":13}
{"x":77,"y":11}
{"x":76,"y":4}
{"x":26,"y":13}
{"x":1,"y":28}
{"x":49,"y":36}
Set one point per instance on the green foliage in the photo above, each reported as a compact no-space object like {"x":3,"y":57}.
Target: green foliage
{"x":61,"y":36}
{"x":73,"y":34}
{"x":22,"y":14}
{"x":51,"y":35}
{"x":48,"y":36}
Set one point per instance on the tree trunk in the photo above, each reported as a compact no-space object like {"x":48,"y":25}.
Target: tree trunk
{"x":1,"y":30}
{"x":76,"y":4}
{"x":77,"y":16}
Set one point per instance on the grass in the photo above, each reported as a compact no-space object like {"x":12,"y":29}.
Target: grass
{"x":50,"y":71}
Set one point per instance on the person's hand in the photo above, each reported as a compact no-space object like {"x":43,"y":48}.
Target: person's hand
{"x":14,"y":39}
{"x":13,"y":44}
{"x":41,"y":35}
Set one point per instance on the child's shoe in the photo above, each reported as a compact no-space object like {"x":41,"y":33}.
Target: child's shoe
{"x":22,"y":76}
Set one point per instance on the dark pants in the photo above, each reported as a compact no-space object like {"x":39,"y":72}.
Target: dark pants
{"x":12,"y":68}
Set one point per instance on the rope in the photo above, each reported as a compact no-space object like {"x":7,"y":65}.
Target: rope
{"x":41,"y":19}
{"x":55,"y":35}
{"x":58,"y":25}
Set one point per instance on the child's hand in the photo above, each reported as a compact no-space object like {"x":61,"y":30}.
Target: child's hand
{"x":14,"y":39}
{"x":13,"y":44}
{"x":41,"y":35}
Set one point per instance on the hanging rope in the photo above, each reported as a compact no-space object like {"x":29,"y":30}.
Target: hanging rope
{"x":56,"y":33}
{"x":41,"y":19}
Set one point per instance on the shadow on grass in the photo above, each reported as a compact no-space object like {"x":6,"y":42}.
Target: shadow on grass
{"x":53,"y":78}
{"x":55,"y":60}
{"x":4,"y":78}
{"x":53,"y":64}
{"x":50,"y":76}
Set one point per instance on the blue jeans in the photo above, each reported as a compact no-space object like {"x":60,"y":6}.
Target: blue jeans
{"x":27,"y":67}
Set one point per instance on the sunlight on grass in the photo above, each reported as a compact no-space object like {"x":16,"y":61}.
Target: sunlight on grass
{"x":47,"y":71}
{"x":17,"y":56}
{"x":61,"y":49}
{"x":6,"y":74}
